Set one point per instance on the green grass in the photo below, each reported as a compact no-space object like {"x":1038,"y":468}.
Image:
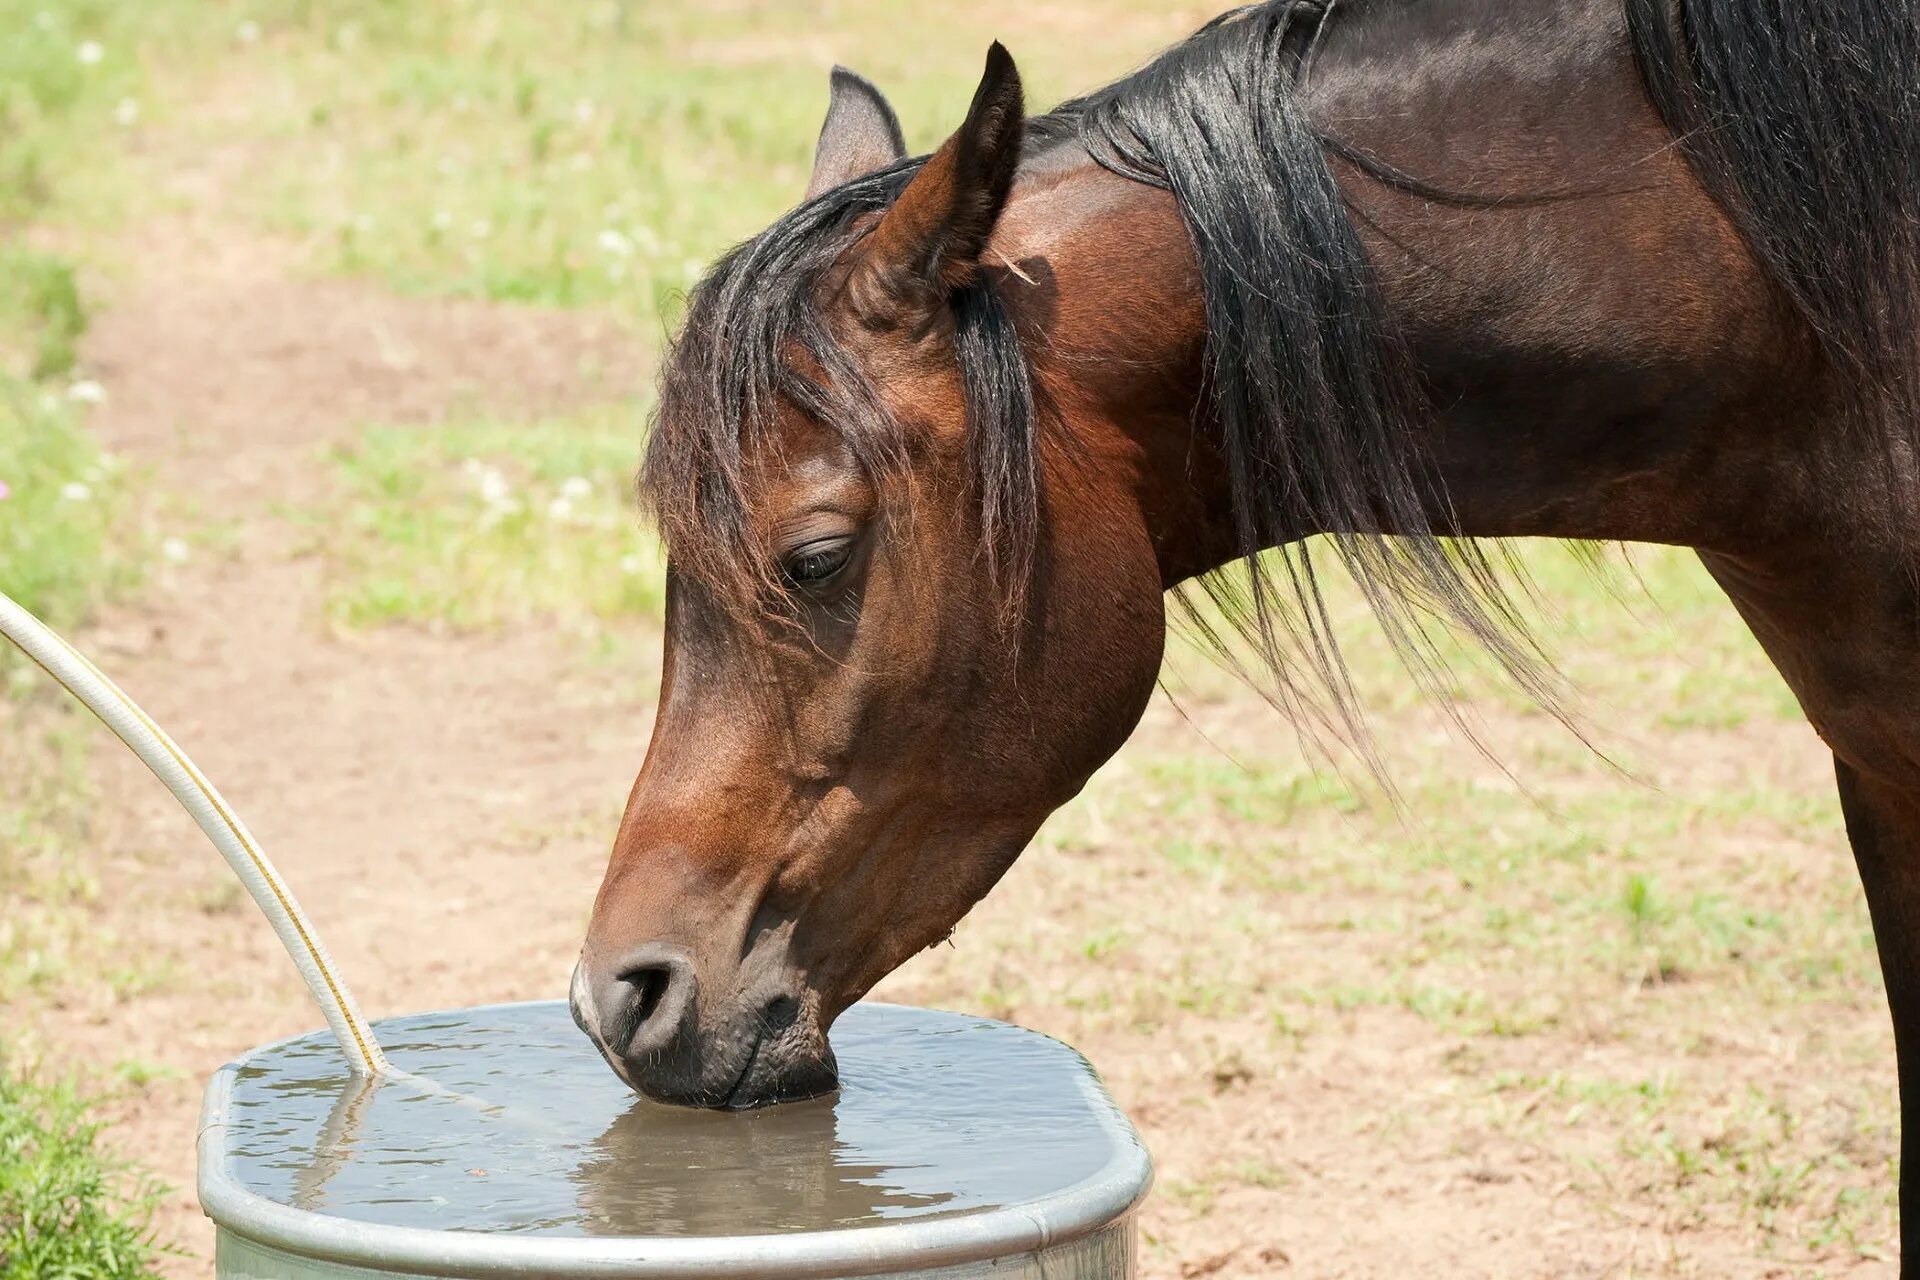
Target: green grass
{"x":75,"y":86}
{"x":475,"y":524}
{"x":67,"y":1211}
{"x":64,"y":66}
{"x":40,"y":312}
{"x":64,"y":541}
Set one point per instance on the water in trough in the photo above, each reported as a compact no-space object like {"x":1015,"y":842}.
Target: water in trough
{"x":937,"y":1115}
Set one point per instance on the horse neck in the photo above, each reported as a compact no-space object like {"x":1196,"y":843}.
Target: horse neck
{"x":1100,"y":274}
{"x":1604,"y":358}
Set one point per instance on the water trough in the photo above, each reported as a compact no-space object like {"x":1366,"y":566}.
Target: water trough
{"x":956,"y":1147}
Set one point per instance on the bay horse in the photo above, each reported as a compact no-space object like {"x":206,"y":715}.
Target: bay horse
{"x":1371,"y":278}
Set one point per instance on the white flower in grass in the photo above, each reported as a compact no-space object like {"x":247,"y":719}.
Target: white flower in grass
{"x":560,"y":510}
{"x":175,"y":550}
{"x":611,"y":241}
{"x":632,"y":565}
{"x":583,"y":110}
{"x":127,"y":113}
{"x":247,"y":32}
{"x":576,"y":488}
{"x":74,"y":491}
{"x":495,"y":490}
{"x":86,"y":391}
{"x":89,"y":52}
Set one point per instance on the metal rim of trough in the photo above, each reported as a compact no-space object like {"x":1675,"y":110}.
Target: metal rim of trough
{"x":1097,"y":1202}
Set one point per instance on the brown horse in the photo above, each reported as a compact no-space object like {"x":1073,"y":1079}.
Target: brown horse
{"x":932,"y":450}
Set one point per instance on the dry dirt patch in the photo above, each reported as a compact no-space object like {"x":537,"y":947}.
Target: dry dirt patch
{"x":230,"y":367}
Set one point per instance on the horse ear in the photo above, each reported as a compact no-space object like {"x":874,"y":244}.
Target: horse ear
{"x":933,"y":236}
{"x":861,"y":134}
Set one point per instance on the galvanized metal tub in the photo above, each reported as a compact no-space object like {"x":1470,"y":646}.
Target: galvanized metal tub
{"x":1006,"y":1159}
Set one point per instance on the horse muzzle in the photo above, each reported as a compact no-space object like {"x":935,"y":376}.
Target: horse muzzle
{"x":672,"y":1042}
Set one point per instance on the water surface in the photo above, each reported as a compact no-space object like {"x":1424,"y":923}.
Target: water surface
{"x":938,"y":1114}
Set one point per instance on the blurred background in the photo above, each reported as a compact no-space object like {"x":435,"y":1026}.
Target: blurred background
{"x":327,"y":330}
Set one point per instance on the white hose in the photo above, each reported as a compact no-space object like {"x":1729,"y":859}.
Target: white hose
{"x":229,"y":835}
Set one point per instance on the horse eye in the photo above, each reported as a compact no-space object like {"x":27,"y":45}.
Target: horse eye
{"x":816,"y":562}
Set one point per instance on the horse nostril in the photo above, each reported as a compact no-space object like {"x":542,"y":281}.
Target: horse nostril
{"x":781,"y":1012}
{"x":644,"y":1005}
{"x":650,"y":985}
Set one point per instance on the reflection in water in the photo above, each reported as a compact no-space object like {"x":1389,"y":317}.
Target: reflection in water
{"x":788,"y":1161}
{"x":334,"y":1149}
{"x":514,"y":1124}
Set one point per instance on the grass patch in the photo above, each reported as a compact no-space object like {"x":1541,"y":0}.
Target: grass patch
{"x":73,"y":82}
{"x":65,"y":543}
{"x":41,"y":315}
{"x":476,"y":524}
{"x":66,"y":1209}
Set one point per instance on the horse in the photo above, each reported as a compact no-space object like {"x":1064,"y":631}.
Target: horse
{"x":938,"y":454}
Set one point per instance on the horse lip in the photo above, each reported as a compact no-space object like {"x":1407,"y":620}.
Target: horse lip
{"x":730,"y":1102}
{"x":580,"y":1003}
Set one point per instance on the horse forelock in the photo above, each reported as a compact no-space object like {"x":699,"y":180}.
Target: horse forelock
{"x":760,"y":338}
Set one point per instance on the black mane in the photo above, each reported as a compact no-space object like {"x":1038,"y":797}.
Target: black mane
{"x":1808,"y":131}
{"x":1317,"y":409}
